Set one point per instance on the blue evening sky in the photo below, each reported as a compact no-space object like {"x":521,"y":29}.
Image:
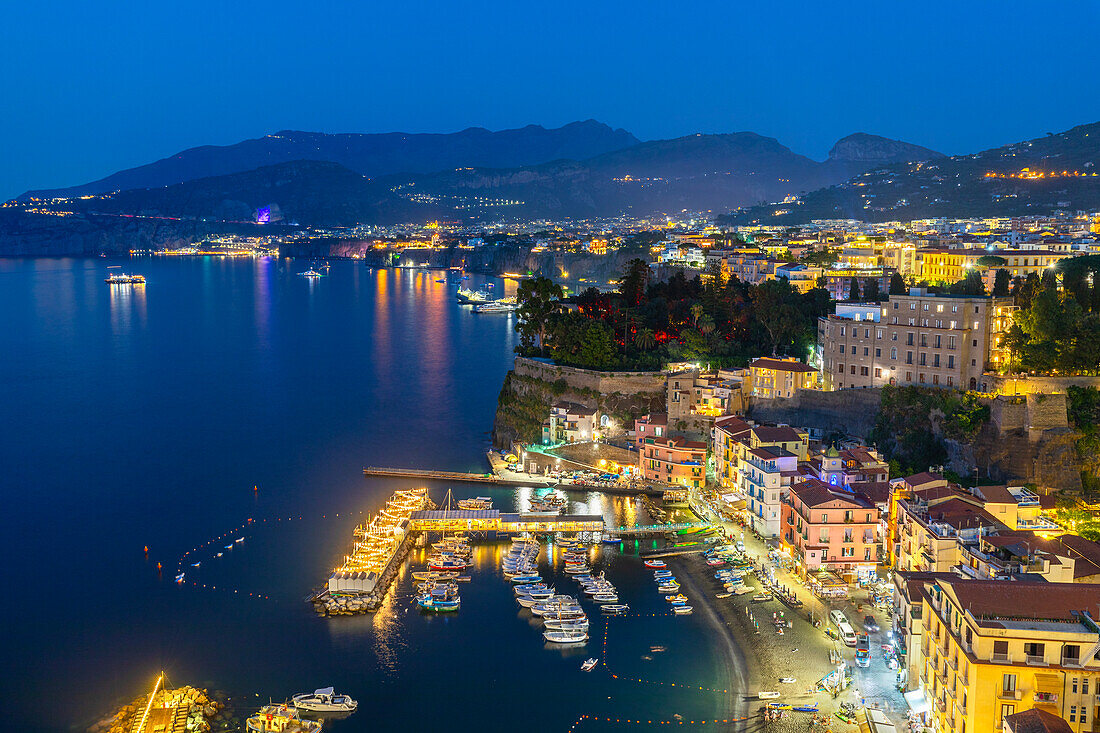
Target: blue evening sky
{"x":89,"y":88}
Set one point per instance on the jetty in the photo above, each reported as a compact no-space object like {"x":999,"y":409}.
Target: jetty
{"x":480,"y":478}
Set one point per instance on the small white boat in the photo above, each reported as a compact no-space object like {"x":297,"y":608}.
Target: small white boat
{"x":615,"y":608}
{"x":310,"y":273}
{"x":682,"y":610}
{"x":767,"y":694}
{"x":723,"y":595}
{"x":605,"y":598}
{"x":179,"y":578}
{"x":787,"y":680}
{"x":565,"y":637}
{"x":589,"y":665}
{"x":324,"y":701}
{"x":196,"y":564}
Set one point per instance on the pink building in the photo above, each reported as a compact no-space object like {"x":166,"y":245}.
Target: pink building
{"x":830,"y":528}
{"x":650,"y":426}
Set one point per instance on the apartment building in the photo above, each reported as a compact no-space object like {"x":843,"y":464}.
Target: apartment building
{"x":654,"y":425}
{"x":946,"y":266}
{"x":849,"y":466}
{"x":674,"y":460}
{"x":726,"y":443}
{"x":921,"y":338}
{"x":826,"y":527}
{"x":991,"y":649}
{"x":771,"y":377}
{"x":693,"y":393}
{"x":570,"y":423}
{"x":934,"y":527}
{"x":764,"y":475}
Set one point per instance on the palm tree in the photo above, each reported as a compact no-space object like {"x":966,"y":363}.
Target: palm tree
{"x":706,"y":324}
{"x":645,"y":339}
{"x":696,"y":311}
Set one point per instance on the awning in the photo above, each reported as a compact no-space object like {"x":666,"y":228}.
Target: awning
{"x":916,"y":701}
{"x":1047,"y":687}
{"x":874,"y":721}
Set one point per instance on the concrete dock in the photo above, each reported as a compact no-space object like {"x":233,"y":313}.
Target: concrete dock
{"x":480,"y":478}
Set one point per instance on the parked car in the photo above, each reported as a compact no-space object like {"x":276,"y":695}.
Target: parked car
{"x":838,"y":617}
{"x":870,"y":625}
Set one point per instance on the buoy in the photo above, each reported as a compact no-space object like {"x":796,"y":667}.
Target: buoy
{"x":255,"y":488}
{"x":158,"y":567}
{"x":147,"y":549}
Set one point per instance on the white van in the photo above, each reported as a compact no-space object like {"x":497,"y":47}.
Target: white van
{"x":838,"y":618}
{"x":847,"y":634}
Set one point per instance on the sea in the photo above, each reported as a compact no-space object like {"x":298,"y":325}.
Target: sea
{"x":222,"y":414}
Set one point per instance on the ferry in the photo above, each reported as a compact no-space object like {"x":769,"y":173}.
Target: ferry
{"x":280,"y":718}
{"x":477,"y":503}
{"x":121,"y":278}
{"x":324,"y":700}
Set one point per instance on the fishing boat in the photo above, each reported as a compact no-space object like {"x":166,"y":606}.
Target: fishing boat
{"x":428,"y":602}
{"x":655,"y":564}
{"x":280,"y":718}
{"x":611,"y":540}
{"x":565,"y":637}
{"x":606,"y":598}
{"x":615,"y":608}
{"x":576,"y":569}
{"x":682,"y":610}
{"x":579,"y":624}
{"x":526,"y":578}
{"x":723,"y":595}
{"x":589,"y":664}
{"x":477,"y":503}
{"x":662,"y":574}
{"x":325,"y":700}
{"x":564,"y":615}
{"x":680,"y":597}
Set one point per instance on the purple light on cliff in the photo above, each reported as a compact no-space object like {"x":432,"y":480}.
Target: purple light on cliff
{"x":263,"y":216}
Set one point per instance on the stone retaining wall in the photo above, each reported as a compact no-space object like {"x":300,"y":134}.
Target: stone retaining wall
{"x":602,"y":382}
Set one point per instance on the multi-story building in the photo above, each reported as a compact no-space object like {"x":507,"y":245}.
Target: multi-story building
{"x":921,"y":338}
{"x":802,"y":278}
{"x":674,"y":460}
{"x":570,"y":423}
{"x":946,"y":266}
{"x":827,"y":527}
{"x":725,"y":444}
{"x":697,"y":394}
{"x":933,"y":530}
{"x":764,"y":475}
{"x":851,"y":465}
{"x":991,"y":649}
{"x":654,"y":425}
{"x":770,"y":377}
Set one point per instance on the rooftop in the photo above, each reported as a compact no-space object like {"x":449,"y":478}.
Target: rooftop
{"x":781,"y":365}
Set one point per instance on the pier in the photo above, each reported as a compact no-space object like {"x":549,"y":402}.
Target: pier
{"x":480,"y":478}
{"x":658,"y":528}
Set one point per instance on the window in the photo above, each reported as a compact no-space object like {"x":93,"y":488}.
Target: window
{"x":939,"y":307}
{"x":935,"y":360}
{"x":954,"y":309}
{"x":894,"y":352}
{"x":1034,"y":650}
{"x":866,"y":351}
{"x":908,"y":357}
{"x":951,"y":342}
{"x":922,"y":377}
{"x":842,"y":330}
{"x":895,"y":305}
{"x":1084,"y":685}
{"x":950,"y":361}
{"x":1006,"y":710}
{"x":866,"y":333}
{"x":1008,"y":682}
{"x":1071,"y":654}
{"x":894,"y":335}
{"x":1074,"y":685}
{"x":853,"y":350}
{"x":853,"y":369}
{"x":878,"y":352}
{"x":1083,"y":709}
{"x":863,"y":371}
{"x":1000,"y":649}
{"x":909,"y":339}
{"x":924,"y":340}
{"x":840,"y":368}
{"x":975,"y":328}
{"x":935,"y":379}
{"x":926,"y":306}
{"x":909,"y":376}
{"x":878,"y":372}
{"x":878,"y":333}
{"x":954,"y":324}
{"x":937,"y":341}
{"x":923,"y":360}
{"x":912,"y":306}
{"x":1073,"y":713}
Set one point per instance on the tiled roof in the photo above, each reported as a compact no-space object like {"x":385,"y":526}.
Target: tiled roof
{"x":781,"y":365}
{"x":1036,"y":720}
{"x":996,"y":599}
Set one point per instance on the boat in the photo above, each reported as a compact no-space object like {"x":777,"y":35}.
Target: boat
{"x":606,"y":598}
{"x":787,"y":680}
{"x":662,"y":574}
{"x":611,"y":540}
{"x":447,"y":563}
{"x":179,"y":578}
{"x":762,"y":597}
{"x":465,"y":295}
{"x":281,"y":718}
{"x":564,"y":615}
{"x":767,"y":694}
{"x":121,"y":278}
{"x":196,"y":564}
{"x":805,"y":708}
{"x":655,"y":564}
{"x":310,"y":274}
{"x":526,"y":578}
{"x":565,"y":637}
{"x":723,"y":595}
{"x":682,"y":610}
{"x":324,"y":700}
{"x":429,"y":602}
{"x":578,"y":624}
{"x":589,"y":664}
{"x":615,"y":608}
{"x":680,"y":597}
{"x":743,"y":590}
{"x":476,"y":503}
{"x":495,"y":306}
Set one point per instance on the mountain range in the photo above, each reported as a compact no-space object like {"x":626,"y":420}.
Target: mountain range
{"x":1033,"y":177}
{"x":338,"y":180}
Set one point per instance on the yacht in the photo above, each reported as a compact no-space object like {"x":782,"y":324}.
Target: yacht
{"x":589,"y":665}
{"x":310,"y":273}
{"x":324,"y":700}
{"x":495,"y":306}
{"x":465,"y":295}
{"x":280,"y":718}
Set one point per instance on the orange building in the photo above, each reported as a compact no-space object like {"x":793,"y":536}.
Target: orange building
{"x":674,"y":461}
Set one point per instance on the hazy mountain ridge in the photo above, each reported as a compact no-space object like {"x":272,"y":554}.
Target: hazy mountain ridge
{"x":371,"y":155}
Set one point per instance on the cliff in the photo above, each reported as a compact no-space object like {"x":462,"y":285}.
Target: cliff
{"x":533,"y":386}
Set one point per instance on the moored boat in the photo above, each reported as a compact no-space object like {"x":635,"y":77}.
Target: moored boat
{"x":325,"y":700}
{"x":280,"y":718}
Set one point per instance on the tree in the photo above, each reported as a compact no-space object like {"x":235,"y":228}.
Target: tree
{"x":597,"y":350}
{"x":1001,"y":282}
{"x":897,"y":284}
{"x":971,"y":284}
{"x":991,"y":261}
{"x":538,"y":298}
{"x":772,"y":308}
{"x":696,"y":312}
{"x":705,"y":324}
{"x":853,"y":290}
{"x":634,"y":283}
{"x":870,"y":290}
{"x":645,"y":339}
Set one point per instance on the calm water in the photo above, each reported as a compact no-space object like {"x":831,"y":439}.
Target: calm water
{"x":146,"y":416}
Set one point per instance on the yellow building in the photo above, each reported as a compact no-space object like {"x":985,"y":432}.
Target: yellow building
{"x":995,"y":648}
{"x":943,"y":265}
{"x":780,"y":377}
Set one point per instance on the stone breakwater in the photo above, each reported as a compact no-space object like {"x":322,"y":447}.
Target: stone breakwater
{"x":352,"y":604}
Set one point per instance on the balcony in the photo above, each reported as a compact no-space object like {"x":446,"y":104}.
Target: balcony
{"x":1048,"y":698}
{"x":1036,"y":659}
{"x":1000,"y":659}
{"x":1010,"y":694}
{"x":1073,"y":662}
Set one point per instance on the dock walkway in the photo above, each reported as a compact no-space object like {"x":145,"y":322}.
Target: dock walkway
{"x":481,"y":478}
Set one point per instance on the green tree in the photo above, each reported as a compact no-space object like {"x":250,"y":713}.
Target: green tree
{"x":645,"y":339}
{"x":853,"y":290}
{"x":633,"y":285}
{"x":538,"y":299}
{"x":705,"y":324}
{"x":1002,"y":280}
{"x":870,"y":290}
{"x":897,"y":284}
{"x":597,"y":350}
